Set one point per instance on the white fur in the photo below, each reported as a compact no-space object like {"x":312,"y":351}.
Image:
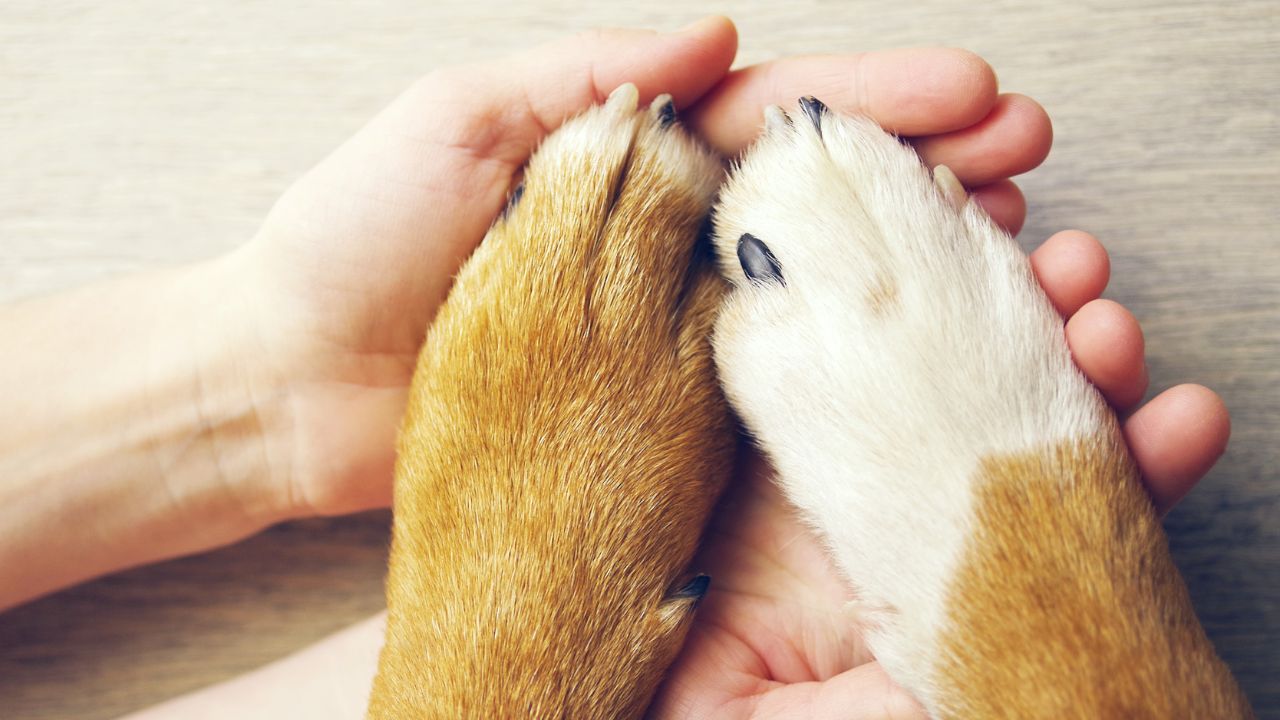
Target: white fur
{"x":909,"y":341}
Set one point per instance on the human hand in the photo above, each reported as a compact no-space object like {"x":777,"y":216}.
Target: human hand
{"x":183,"y":409}
{"x":776,"y":614}
{"x":349,"y":268}
{"x":774,"y":638}
{"x":354,"y":260}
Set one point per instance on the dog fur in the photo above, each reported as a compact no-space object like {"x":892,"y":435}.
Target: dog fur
{"x":889,"y":349}
{"x":565,"y":439}
{"x":884,"y":343}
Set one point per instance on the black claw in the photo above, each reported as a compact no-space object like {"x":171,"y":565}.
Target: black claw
{"x":667,"y":114}
{"x":513,"y":200}
{"x":758,"y":261}
{"x":814,"y":108}
{"x":696,"y":588}
{"x":704,"y":248}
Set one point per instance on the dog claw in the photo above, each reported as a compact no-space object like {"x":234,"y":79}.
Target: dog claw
{"x":625,"y":98}
{"x":758,"y":261}
{"x":665,"y":110}
{"x":513,"y":200}
{"x":814,"y":109}
{"x":695,"y":589}
{"x":950,"y":186}
{"x":775,"y":118}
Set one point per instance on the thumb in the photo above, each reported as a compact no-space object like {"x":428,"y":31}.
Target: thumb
{"x":532,"y":93}
{"x":423,"y":180}
{"x":500,"y":110}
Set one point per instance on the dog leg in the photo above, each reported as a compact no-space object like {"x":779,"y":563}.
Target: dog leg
{"x":565,"y":439}
{"x":890,"y":350}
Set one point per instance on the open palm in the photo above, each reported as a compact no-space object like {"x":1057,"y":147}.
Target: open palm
{"x":775,"y":637}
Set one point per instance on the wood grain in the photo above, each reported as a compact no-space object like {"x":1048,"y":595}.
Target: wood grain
{"x":142,"y":133}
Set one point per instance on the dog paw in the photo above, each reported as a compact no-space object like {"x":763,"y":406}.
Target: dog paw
{"x":889,"y":349}
{"x":565,"y":437}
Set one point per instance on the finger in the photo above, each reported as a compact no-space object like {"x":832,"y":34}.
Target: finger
{"x":862,"y":693}
{"x":1073,"y":268}
{"x":431,"y":171}
{"x":1003,"y":201}
{"x":473,"y":124}
{"x":567,"y":77}
{"x":1107,"y":345}
{"x":531,"y":94}
{"x":910,"y":92}
{"x":1176,"y":438}
{"x":1011,"y":139}
{"x":493,"y":116}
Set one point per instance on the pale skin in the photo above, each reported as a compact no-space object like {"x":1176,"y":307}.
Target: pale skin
{"x":185,"y":409}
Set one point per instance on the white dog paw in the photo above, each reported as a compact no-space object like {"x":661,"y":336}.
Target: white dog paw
{"x":884,"y":342}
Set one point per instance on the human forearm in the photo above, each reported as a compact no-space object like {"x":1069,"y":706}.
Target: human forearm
{"x":326,"y":681}
{"x":130,"y":431}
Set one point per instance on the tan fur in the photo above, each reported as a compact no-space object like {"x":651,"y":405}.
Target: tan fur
{"x":564,"y":442}
{"x":1067,"y":604}
{"x":882,"y":296}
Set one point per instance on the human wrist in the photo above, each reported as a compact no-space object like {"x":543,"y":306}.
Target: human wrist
{"x":273,"y":383}
{"x":234,"y":389}
{"x":329,"y":397}
{"x":129,"y":436}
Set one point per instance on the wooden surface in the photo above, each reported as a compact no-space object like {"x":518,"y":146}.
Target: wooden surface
{"x":148,"y":132}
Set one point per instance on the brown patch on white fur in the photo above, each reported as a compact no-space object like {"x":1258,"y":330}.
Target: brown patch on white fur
{"x":1067,"y":604}
{"x":882,"y":295}
{"x":564,"y":442}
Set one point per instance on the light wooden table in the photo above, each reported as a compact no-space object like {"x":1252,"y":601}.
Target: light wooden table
{"x":147,"y":132}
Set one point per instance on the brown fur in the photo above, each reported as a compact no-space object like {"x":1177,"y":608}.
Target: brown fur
{"x":1067,"y":604}
{"x":564,"y":443}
